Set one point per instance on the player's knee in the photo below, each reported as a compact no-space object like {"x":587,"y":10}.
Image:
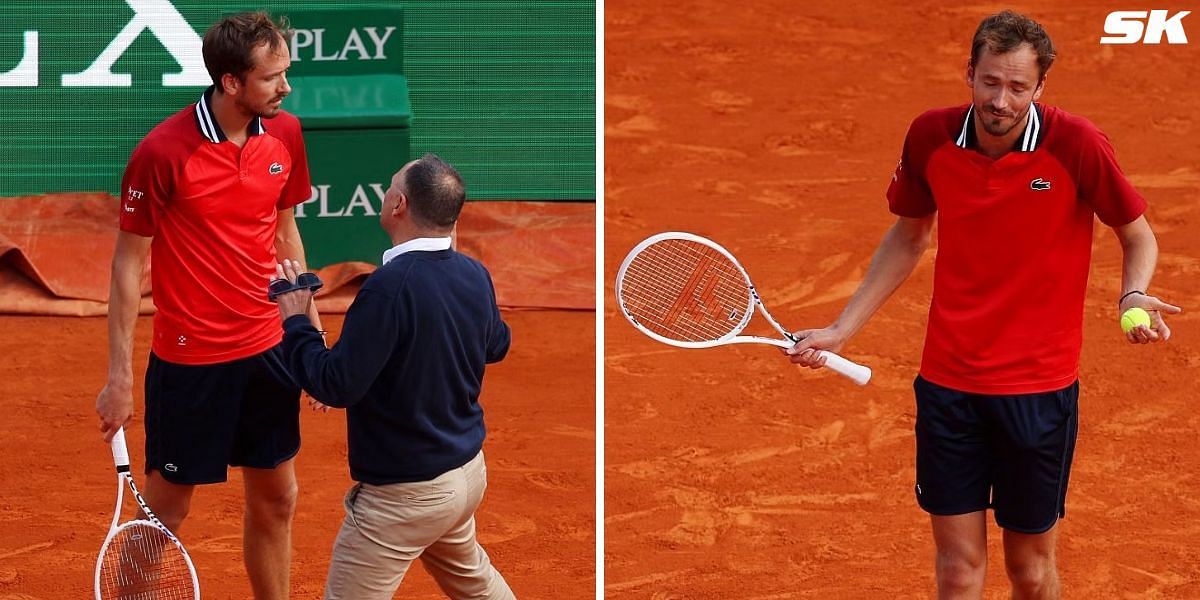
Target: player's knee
{"x":273,"y":505}
{"x":172,"y":514}
{"x":961,"y":571}
{"x":1031,"y":574}
{"x":170,"y":502}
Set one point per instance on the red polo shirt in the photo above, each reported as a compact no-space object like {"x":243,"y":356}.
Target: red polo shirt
{"x":212,"y":208}
{"x":1014,"y":245}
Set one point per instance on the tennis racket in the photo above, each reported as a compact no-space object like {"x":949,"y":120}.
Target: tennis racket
{"x":141,"y":559}
{"x":687,"y":291}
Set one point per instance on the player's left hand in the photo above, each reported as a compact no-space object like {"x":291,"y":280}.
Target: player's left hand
{"x":295,"y":302}
{"x":1158,"y":330}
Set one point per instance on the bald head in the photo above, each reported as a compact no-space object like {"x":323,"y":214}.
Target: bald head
{"x":435,"y":192}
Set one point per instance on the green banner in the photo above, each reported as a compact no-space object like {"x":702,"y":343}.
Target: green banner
{"x":352,"y":98}
{"x":505,"y":90}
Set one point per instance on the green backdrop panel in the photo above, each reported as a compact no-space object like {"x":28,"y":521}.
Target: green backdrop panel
{"x":505,"y":90}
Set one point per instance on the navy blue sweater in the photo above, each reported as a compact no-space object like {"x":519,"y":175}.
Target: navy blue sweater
{"x":408,"y":365}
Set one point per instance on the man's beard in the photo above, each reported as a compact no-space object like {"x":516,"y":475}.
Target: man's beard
{"x":994,"y":127}
{"x":265,"y":110}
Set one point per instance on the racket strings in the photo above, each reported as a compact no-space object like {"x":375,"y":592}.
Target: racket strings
{"x":142,"y":563}
{"x":686,"y":291}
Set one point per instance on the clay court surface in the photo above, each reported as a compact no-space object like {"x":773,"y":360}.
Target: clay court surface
{"x":774,"y":127}
{"x":537,"y":520}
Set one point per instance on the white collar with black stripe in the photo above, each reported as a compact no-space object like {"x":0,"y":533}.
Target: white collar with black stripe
{"x":207,"y":122}
{"x":1028,"y":142}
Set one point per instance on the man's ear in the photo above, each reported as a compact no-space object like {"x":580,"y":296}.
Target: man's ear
{"x":230,"y":84}
{"x":401,"y":205}
{"x":1041,"y":87}
{"x":970,"y":76}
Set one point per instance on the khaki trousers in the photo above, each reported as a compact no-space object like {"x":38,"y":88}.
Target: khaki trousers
{"x":389,"y":526}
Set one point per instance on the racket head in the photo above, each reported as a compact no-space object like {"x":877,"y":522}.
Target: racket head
{"x":139,"y":559}
{"x":684,"y":290}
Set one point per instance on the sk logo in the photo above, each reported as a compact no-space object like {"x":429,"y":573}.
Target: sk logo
{"x":1127,"y":27}
{"x":275,"y":168}
{"x":1039,"y":184}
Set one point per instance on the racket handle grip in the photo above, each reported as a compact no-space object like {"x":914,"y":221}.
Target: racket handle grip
{"x":851,"y":370}
{"x":120,"y":450}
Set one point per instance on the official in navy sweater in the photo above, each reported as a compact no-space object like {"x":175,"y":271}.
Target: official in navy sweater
{"x":408,"y":368}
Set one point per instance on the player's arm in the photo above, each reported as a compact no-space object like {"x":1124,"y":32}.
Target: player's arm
{"x":341,"y":376}
{"x":895,"y":259}
{"x":288,"y":245}
{"x":114,"y":405}
{"x":1140,"y":252}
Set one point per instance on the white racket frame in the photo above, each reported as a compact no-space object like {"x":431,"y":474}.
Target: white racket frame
{"x":121,"y":459}
{"x":855,"y":372}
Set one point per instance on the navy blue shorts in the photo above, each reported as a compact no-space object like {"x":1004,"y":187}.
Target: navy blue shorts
{"x":1008,"y":453}
{"x":202,"y":419}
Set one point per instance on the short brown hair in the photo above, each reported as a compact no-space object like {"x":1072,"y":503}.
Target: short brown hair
{"x":435,"y":192}
{"x":229,"y":42}
{"x":1007,"y":30}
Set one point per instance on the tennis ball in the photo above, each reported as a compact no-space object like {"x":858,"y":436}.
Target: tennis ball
{"x":1134,"y":317}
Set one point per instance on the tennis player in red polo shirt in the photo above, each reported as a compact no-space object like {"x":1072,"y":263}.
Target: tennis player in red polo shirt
{"x":1015,"y":187}
{"x":209,"y":195}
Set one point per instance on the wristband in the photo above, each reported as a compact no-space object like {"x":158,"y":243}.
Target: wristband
{"x":1128,"y":294}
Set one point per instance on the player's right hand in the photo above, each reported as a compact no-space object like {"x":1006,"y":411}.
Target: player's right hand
{"x":114,"y":406}
{"x":806,"y":352}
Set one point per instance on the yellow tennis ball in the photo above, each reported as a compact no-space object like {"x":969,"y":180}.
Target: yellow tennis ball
{"x":1134,"y":317}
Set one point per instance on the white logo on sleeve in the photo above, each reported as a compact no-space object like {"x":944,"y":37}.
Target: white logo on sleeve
{"x":182,"y":340}
{"x":275,"y":168}
{"x":170,"y":467}
{"x":132,"y":196}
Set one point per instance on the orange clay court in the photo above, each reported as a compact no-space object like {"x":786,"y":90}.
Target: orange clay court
{"x":537,"y":521}
{"x":773,"y":127}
